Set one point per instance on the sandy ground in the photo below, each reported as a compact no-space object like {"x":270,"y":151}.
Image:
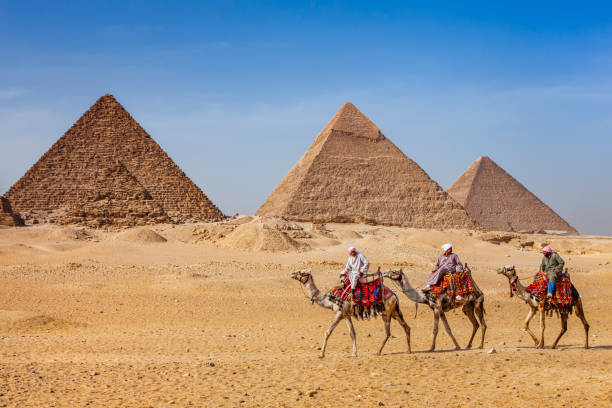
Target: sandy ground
{"x":124,"y":319}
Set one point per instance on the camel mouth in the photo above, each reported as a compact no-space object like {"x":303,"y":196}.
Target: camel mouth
{"x":506,"y":268}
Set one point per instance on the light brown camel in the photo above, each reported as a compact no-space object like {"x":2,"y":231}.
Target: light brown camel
{"x":392,"y":311}
{"x":534,"y":307}
{"x":472,"y":306}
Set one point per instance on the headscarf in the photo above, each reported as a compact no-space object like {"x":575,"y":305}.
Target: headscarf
{"x":351,"y":249}
{"x":446,"y":247}
{"x":547,"y":249}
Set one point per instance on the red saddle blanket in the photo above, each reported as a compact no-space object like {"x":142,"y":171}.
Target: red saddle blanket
{"x":455,"y":284}
{"x":563,"y":295}
{"x":366,"y":294}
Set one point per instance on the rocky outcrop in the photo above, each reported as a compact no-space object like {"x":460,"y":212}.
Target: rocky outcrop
{"x":353,"y":173}
{"x":104,"y":134}
{"x":498,"y":202}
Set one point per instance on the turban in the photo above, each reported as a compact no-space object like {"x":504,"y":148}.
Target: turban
{"x":548,"y":250}
{"x":351,"y":249}
{"x":446,"y":247}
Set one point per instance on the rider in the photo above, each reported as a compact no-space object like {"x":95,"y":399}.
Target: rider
{"x":552,"y":265}
{"x":356,"y":266}
{"x":448,"y":262}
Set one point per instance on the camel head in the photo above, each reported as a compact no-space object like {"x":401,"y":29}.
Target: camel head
{"x":393,"y":274}
{"x":508,"y":271}
{"x":301,"y":276}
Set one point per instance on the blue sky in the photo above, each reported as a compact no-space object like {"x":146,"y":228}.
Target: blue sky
{"x":236,"y":91}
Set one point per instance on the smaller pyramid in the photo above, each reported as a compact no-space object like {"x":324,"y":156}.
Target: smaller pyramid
{"x":498,"y":202}
{"x":7,"y":218}
{"x":115,"y":198}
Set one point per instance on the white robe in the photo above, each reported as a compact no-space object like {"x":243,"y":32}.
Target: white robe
{"x":355,"y":267}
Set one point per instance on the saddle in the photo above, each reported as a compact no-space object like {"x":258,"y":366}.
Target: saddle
{"x":368,"y":297}
{"x":453,"y":284}
{"x":564,"y":295}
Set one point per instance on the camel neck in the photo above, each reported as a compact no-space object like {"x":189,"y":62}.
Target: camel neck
{"x":315,"y":294}
{"x":412,"y":293}
{"x":520,"y":290}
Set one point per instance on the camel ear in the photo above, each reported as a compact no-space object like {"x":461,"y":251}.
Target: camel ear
{"x":378,"y":271}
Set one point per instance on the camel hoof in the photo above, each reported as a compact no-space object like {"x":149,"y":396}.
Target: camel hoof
{"x":457,"y":348}
{"x":379,"y":353}
{"x":431,"y":350}
{"x":321,"y":355}
{"x":469,"y":346}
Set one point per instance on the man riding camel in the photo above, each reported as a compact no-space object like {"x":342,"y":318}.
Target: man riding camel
{"x":448,"y":262}
{"x":356,"y":266}
{"x":552,"y":265}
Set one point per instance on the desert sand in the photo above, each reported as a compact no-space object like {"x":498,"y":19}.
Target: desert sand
{"x":206,"y":315}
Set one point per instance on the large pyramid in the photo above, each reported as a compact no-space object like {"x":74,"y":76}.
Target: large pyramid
{"x":65,"y":175}
{"x":353,"y":173}
{"x":498,"y":202}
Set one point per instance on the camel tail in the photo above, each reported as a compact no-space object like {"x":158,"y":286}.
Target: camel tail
{"x":416,"y":309}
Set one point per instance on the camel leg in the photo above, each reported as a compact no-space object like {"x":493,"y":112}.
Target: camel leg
{"x":479,"y":309}
{"x":468,"y":310}
{"x":530,"y":315}
{"x":434,"y":333}
{"x":329,"y":331}
{"x":542,"y":327}
{"x":387,"y":322}
{"x":580,"y":314}
{"x":349,"y":323}
{"x":448,"y":330}
{"x":563,"y":329}
{"x":397,"y":315}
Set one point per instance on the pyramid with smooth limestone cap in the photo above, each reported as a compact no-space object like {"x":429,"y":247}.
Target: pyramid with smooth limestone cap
{"x":498,"y":202}
{"x":353,"y":173}
{"x":63,"y":177}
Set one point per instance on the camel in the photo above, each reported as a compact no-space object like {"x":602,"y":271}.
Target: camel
{"x":392,"y":311}
{"x":534,"y":307}
{"x":472,"y":306}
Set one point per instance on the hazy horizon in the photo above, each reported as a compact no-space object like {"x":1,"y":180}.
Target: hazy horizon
{"x":236,"y":92}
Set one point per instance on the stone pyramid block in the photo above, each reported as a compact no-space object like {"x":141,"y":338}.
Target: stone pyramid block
{"x":353,"y":173}
{"x":104,"y":134}
{"x":498,"y":202}
{"x":115,"y":198}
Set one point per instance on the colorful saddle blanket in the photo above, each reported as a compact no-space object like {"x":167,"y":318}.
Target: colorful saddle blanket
{"x":564,"y":293}
{"x":455,"y":284}
{"x":368,"y":298}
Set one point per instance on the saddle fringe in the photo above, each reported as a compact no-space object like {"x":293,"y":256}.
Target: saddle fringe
{"x":367,"y":312}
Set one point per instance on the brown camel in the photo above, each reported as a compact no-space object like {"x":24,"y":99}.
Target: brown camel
{"x":472,"y":306}
{"x":534,"y":307}
{"x":392,"y":311}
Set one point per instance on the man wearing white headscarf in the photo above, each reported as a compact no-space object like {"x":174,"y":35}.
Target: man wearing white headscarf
{"x":448,"y":262}
{"x":356,"y":266}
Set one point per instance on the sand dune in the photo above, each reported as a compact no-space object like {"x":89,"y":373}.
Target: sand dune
{"x":205,"y":320}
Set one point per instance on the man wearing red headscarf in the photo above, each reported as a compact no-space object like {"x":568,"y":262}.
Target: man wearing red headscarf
{"x":552,"y":265}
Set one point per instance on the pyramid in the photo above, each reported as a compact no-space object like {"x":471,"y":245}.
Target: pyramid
{"x":115,"y":198}
{"x":104,"y":134}
{"x":7,"y":218}
{"x":353,"y":173}
{"x":498,"y":202}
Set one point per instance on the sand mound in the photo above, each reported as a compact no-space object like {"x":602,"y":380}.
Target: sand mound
{"x":435,"y":239}
{"x":239,"y":220}
{"x":257,"y":236}
{"x":141,"y":235}
{"x":346,"y":234}
{"x":17,"y":321}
